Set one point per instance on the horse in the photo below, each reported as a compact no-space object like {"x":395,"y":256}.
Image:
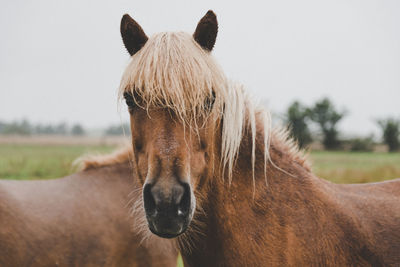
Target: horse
{"x":227,"y":187}
{"x":79,"y":220}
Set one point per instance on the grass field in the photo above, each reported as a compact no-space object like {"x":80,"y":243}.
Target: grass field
{"x":355,"y":167}
{"x":39,"y":161}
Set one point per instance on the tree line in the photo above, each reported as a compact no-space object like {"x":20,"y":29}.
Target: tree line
{"x":24,"y":127}
{"x":324,"y":116}
{"x":307,"y":124}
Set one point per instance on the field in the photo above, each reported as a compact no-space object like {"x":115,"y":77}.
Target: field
{"x":44,"y":161}
{"x":37,"y":161}
{"x":355,"y":167}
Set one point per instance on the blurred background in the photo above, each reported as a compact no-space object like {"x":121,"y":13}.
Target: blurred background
{"x":327,"y":69}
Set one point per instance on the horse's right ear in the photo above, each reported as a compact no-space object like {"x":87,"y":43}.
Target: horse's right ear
{"x":132,"y":34}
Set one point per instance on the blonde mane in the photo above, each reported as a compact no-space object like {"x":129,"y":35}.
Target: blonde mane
{"x":173,"y":71}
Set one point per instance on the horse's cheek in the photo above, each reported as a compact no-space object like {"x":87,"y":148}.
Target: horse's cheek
{"x":198,"y":164}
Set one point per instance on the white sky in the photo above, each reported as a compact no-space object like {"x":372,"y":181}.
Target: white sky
{"x":62,"y":60}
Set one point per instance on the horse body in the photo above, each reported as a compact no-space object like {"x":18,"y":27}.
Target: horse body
{"x":295,"y":220}
{"x":79,"y":220}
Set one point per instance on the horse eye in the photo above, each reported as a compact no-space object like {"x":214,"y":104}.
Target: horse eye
{"x":138,"y":146}
{"x":203,"y":145}
{"x":129,"y":100}
{"x":210,"y":101}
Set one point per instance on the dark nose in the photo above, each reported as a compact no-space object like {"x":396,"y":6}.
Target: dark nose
{"x":167,"y":208}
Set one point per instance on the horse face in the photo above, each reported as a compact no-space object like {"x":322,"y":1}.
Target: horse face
{"x":171,"y":161}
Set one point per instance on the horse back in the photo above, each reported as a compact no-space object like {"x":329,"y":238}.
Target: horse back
{"x":80,"y":220}
{"x":373,"y":219}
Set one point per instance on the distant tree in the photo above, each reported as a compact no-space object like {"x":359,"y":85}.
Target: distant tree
{"x":24,"y":127}
{"x":118,"y":129}
{"x":20,"y":128}
{"x":325,"y":115}
{"x":390,"y":133}
{"x":77,"y":129}
{"x":61,"y":129}
{"x":44,"y":129}
{"x":365,"y":144}
{"x":296,"y":118}
{"x":2,"y":126}
{"x":38,"y":129}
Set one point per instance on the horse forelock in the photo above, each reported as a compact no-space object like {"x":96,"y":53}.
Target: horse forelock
{"x":172,"y":71}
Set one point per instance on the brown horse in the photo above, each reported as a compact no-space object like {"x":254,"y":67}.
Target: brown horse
{"x":228,"y":188}
{"x":79,"y":220}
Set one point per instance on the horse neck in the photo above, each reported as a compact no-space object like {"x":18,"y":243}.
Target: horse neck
{"x":243,"y":219}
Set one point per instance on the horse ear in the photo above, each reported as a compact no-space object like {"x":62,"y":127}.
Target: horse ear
{"x":206,"y":31}
{"x":132,"y":34}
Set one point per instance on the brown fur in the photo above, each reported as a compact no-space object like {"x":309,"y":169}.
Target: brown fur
{"x":206,"y":31}
{"x":133,"y":36}
{"x":296,"y":219}
{"x":79,"y":220}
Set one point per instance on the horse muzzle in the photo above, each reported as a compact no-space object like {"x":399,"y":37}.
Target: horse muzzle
{"x":168,"y":210}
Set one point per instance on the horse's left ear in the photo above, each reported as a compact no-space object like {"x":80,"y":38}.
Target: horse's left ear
{"x":206,"y":31}
{"x":132,"y":34}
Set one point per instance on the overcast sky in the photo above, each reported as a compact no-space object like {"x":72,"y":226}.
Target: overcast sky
{"x":63,"y":60}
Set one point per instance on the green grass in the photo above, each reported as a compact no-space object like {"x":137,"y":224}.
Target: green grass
{"x":41,"y":161}
{"x":355,"y":167}
{"x":18,"y":161}
{"x":180,"y":261}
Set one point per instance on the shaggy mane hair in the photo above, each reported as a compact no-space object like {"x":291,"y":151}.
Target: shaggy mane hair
{"x":172,"y":71}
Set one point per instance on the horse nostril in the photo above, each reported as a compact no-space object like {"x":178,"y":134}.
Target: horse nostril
{"x":184,"y":204}
{"x":158,"y":204}
{"x":149,"y":201}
